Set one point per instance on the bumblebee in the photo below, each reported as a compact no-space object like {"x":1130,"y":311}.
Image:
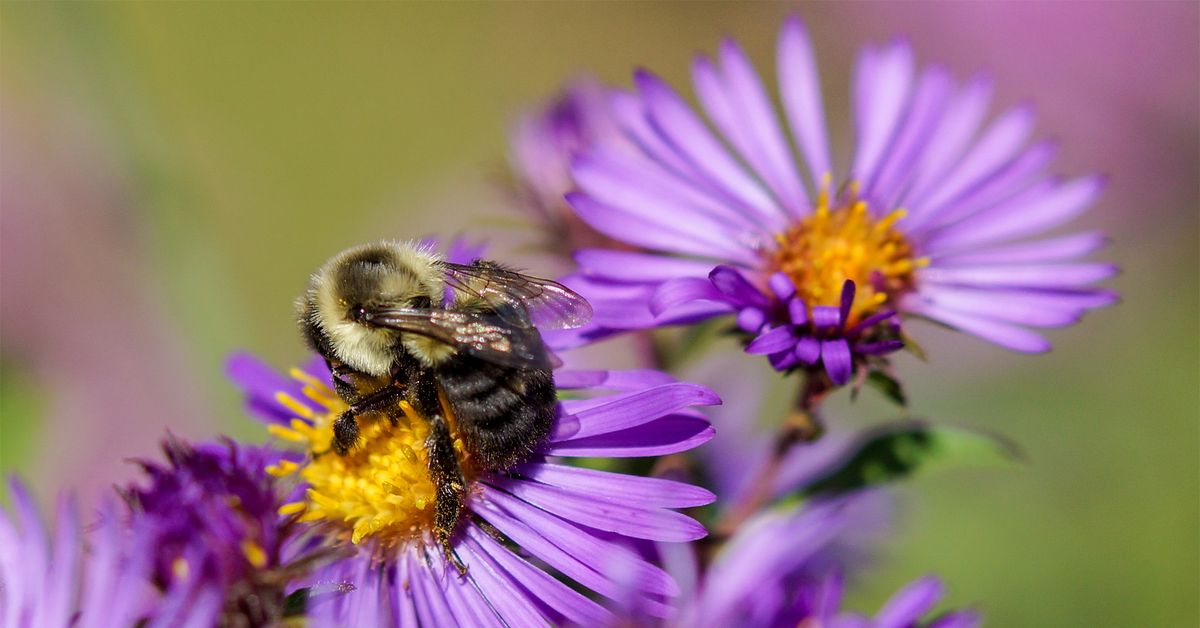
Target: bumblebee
{"x":459,"y":342}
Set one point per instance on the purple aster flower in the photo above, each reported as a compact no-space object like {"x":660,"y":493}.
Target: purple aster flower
{"x":574,"y":521}
{"x":782,"y":569}
{"x":201,"y":544}
{"x":48,"y":579}
{"x":542,"y":144}
{"x":929,"y":221}
{"x":218,"y":549}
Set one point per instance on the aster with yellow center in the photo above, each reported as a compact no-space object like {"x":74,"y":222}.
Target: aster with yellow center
{"x":379,"y":490}
{"x":847,"y":243}
{"x":736,"y":215}
{"x":378,"y":501}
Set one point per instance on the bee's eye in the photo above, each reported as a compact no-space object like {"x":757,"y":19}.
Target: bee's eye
{"x":357,"y":314}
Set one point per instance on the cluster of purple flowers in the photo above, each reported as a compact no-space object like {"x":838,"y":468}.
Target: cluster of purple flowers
{"x":672,"y":219}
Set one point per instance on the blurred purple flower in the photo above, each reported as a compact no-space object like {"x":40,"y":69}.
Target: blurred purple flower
{"x":541,"y":146}
{"x":201,"y":544}
{"x":51,"y":581}
{"x":218,"y":548}
{"x":818,"y":276}
{"x":573,"y":520}
{"x":777,"y":571}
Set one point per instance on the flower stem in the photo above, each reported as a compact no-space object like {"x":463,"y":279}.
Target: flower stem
{"x":802,"y":424}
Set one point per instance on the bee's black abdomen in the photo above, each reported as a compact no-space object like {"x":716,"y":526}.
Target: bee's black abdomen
{"x":503,"y":413}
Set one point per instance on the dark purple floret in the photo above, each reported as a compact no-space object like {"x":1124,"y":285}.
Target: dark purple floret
{"x":208,"y":520}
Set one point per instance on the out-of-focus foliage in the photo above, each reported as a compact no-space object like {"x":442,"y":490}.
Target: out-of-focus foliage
{"x":249,"y":141}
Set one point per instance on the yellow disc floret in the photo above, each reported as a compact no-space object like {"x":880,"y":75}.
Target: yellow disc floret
{"x":822,"y":251}
{"x":380,"y":489}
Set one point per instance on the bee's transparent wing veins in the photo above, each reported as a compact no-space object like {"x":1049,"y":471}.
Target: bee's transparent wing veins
{"x":546,"y":304}
{"x":482,"y":335}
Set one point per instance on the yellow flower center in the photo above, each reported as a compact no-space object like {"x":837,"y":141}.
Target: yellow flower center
{"x":380,"y":489}
{"x":831,"y":245}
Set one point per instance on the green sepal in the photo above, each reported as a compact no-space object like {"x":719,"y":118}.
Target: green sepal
{"x":888,"y":386}
{"x":296,"y":603}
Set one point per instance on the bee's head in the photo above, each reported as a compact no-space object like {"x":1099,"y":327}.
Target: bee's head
{"x":362,"y":279}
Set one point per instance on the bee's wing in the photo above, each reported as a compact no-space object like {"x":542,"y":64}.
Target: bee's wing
{"x":547,"y":304}
{"x":482,"y":335}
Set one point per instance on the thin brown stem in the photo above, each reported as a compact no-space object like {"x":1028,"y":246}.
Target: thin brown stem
{"x":803,"y":424}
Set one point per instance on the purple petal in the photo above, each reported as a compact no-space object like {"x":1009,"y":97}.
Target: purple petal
{"x":925,"y":110}
{"x":1036,"y":210}
{"x":654,"y":492}
{"x":1017,"y":175}
{"x":631,"y":266}
{"x":955,"y":129}
{"x":565,"y":547}
{"x":1031,"y":276}
{"x":1003,"y":334}
{"x":826,"y":318}
{"x":685,"y":131}
{"x":751,"y":320}
{"x":774,"y":341}
{"x":692,"y":312}
{"x":466,"y":602}
{"x":675,"y":292}
{"x":808,"y":350}
{"x":627,"y":519}
{"x":514,"y":610}
{"x":628,"y":379}
{"x":668,"y":435}
{"x":570,"y":603}
{"x":800,"y":91}
{"x":262,"y":383}
{"x":730,"y":282}
{"x":797,"y":311}
{"x":838,"y":361}
{"x":640,"y":186}
{"x":432,"y":607}
{"x":1050,"y":250}
{"x":678,"y":234}
{"x":782,"y":285}
{"x":1023,"y":308}
{"x":906,"y":607}
{"x":879,"y":348}
{"x":459,"y":251}
{"x":753,"y":116}
{"x":871,"y":321}
{"x":783,"y":360}
{"x":64,"y":565}
{"x":631,"y":115}
{"x":619,"y":412}
{"x":881,"y":90}
{"x":998,"y":146}
{"x":847,"y":302}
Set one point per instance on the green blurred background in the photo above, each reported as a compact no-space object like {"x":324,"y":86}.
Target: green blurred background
{"x":172,"y":172}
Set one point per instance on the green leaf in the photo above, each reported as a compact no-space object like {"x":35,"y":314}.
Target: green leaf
{"x":903,"y":449}
{"x":888,"y":386}
{"x":912,"y":347}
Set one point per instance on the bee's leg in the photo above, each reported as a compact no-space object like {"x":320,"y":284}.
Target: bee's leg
{"x":341,"y":384}
{"x":345,"y":432}
{"x":345,"y":428}
{"x":449,"y":484}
